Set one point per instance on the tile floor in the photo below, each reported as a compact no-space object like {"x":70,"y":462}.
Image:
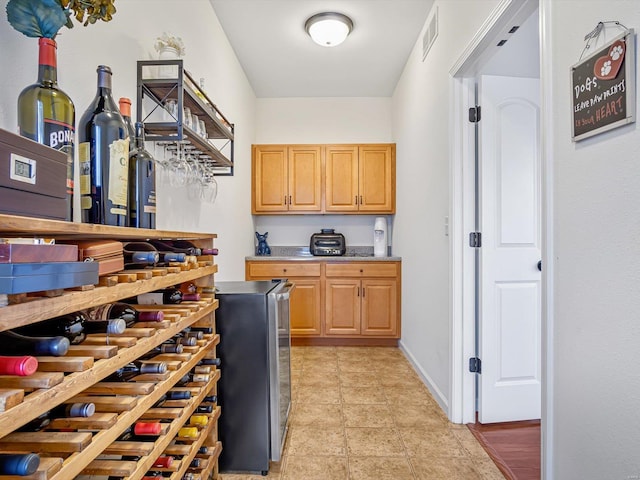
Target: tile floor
{"x":362,"y":413}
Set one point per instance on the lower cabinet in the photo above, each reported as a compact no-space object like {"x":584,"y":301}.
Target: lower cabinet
{"x":305,"y":301}
{"x":340,"y":300}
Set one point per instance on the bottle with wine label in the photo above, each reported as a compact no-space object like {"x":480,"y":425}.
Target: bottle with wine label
{"x":103,"y":158}
{"x":65,"y":410}
{"x":163,"y":257}
{"x":15,"y":344}
{"x":124,"y":105}
{"x":142,"y":184}
{"x":46,"y":114}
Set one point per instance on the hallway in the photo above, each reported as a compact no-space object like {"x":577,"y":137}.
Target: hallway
{"x":362,"y":413}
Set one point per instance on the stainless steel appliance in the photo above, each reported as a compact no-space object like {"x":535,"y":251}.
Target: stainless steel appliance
{"x":254,"y":390}
{"x":327,"y":243}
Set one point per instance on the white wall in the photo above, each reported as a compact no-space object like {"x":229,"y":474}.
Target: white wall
{"x":321,"y":120}
{"x":421,"y":121}
{"x":119,"y":44}
{"x":596,"y":325}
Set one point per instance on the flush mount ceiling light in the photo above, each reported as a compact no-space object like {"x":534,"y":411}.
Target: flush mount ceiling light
{"x":329,"y":28}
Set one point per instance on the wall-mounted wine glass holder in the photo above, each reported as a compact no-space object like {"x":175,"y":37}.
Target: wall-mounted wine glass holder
{"x":166,"y":84}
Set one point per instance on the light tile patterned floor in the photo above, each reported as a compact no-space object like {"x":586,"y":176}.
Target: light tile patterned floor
{"x":362,"y":413}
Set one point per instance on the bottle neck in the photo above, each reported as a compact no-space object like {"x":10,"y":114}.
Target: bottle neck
{"x":47,"y":62}
{"x":104,"y":81}
{"x":139,"y":136}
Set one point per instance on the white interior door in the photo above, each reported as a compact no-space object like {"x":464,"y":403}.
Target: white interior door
{"x":510,"y":282}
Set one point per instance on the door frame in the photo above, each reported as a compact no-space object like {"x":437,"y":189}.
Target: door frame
{"x":462,"y":392}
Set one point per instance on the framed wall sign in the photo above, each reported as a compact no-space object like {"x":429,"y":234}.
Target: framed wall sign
{"x":603,"y":88}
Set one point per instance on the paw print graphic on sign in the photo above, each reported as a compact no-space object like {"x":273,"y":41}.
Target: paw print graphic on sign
{"x":608,"y":66}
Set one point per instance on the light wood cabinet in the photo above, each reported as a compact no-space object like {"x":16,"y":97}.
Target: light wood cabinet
{"x":305,"y":303}
{"x":81,"y":371}
{"x":362,"y":299}
{"x":360,"y":178}
{"x":349,"y":179}
{"x":286,"y":178}
{"x":340,"y":301}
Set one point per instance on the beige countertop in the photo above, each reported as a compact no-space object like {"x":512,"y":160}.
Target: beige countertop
{"x":311,"y":258}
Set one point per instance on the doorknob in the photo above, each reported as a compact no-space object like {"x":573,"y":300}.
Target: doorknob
{"x":540,"y":265}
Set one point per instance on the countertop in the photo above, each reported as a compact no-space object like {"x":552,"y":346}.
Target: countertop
{"x":354,"y":254}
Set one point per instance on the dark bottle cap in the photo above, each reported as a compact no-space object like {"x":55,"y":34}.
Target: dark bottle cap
{"x":197,"y":334}
{"x":145,"y":257}
{"x":210,"y":361}
{"x":19,"y":464}
{"x":204,"y":408}
{"x":157,"y":316}
{"x":171,"y":348}
{"x":188,"y":341}
{"x":81,"y":409}
{"x":210,"y":398}
{"x":54,"y":346}
{"x":153,"y":367}
{"x":178,"y":394}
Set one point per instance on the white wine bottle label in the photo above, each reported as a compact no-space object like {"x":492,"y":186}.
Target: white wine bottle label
{"x":119,"y":175}
{"x":84,"y":161}
{"x":151,"y":298}
{"x":149,"y":209}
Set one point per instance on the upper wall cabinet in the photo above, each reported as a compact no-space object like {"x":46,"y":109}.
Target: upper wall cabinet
{"x":356,"y":178}
{"x":360,"y":179}
{"x":286,"y":179}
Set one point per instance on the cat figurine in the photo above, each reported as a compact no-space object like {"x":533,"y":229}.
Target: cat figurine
{"x":263,"y":246}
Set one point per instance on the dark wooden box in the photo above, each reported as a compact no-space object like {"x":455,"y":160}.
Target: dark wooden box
{"x":33,"y":178}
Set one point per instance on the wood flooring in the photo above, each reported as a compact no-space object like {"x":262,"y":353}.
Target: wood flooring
{"x":513,"y":446}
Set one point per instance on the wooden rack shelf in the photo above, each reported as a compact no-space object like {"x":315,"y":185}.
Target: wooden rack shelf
{"x":77,"y":376}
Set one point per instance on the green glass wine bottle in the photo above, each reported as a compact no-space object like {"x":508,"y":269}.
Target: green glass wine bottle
{"x":46,"y":114}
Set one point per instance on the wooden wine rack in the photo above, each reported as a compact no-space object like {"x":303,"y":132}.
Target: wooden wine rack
{"x":77,"y":376}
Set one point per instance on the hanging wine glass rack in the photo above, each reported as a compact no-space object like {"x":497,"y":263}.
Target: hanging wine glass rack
{"x":163,"y":124}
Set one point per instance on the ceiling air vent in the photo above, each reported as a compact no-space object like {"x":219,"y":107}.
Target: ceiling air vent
{"x":430,"y":34}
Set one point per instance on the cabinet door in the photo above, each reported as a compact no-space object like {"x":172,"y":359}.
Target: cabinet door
{"x":342,"y":307}
{"x":269,"y":178}
{"x":380,"y":307}
{"x":304,"y":307}
{"x":305,"y":178}
{"x":341,"y":169}
{"x":376,"y":179}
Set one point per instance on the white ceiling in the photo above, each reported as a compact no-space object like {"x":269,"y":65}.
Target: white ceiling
{"x":280,"y":60}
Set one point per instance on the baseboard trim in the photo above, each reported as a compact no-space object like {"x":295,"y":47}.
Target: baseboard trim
{"x":343,"y":342}
{"x":426,"y":379}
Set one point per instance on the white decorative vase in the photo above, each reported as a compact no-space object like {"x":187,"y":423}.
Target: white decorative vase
{"x":168,"y":71}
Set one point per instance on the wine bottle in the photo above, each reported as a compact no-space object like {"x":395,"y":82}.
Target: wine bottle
{"x":163,"y":461}
{"x":178,"y":395}
{"x":210,"y":399}
{"x":46,"y":114}
{"x":140,"y":259}
{"x":61,"y":411}
{"x":124,"y":311}
{"x":20,"y":464}
{"x":204,"y":409}
{"x":166,"y":296}
{"x":142,"y":184}
{"x":141,"y":431}
{"x":71,"y":410}
{"x":22,"y":366}
{"x":133,"y":369}
{"x":192,"y":249}
{"x":163,"y":257}
{"x":164,"y":348}
{"x":195,"y":463}
{"x":188,"y":432}
{"x":14,"y":343}
{"x":104,"y":158}
{"x":198,"y":421}
{"x":124,"y":105}
{"x":70,"y":326}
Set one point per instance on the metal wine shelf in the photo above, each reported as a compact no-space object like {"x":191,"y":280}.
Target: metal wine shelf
{"x":161,"y":126}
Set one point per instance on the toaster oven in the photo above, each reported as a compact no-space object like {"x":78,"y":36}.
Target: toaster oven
{"x":327,"y":243}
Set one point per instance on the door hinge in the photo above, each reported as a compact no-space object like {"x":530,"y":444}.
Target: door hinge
{"x":474,"y":114}
{"x":475,"y":239}
{"x":475,"y":365}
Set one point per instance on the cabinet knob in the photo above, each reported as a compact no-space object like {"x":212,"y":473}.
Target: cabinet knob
{"x":284,"y":270}
{"x":361,"y":270}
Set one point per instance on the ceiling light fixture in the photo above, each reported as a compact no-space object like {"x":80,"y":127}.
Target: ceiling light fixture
{"x":328,"y":28}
